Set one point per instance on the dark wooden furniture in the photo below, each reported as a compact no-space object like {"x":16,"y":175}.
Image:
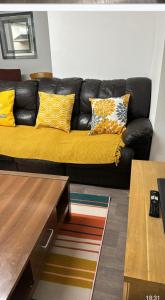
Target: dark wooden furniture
{"x":10,"y":74}
{"x":32,"y":207}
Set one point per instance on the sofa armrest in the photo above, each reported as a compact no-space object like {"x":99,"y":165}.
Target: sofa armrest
{"x":136,"y":130}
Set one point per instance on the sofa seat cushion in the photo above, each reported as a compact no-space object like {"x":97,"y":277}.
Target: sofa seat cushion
{"x":58,"y":146}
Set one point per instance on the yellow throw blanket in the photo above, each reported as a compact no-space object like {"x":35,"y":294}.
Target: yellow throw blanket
{"x":59,"y":146}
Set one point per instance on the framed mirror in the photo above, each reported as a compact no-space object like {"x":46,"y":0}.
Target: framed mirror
{"x":17,"y":35}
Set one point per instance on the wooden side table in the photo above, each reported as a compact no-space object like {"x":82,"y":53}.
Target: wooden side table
{"x":144,"y":272}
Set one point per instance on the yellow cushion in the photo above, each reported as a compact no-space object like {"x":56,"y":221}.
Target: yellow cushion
{"x":59,"y":146}
{"x":6,"y":108}
{"x":55,"y":111}
{"x":109,"y":115}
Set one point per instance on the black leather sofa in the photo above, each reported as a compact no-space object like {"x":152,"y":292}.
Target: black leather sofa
{"x":137,"y":136}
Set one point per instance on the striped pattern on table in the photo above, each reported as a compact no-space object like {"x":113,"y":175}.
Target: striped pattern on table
{"x":71,"y":266}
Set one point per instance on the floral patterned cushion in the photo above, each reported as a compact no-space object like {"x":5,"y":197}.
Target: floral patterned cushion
{"x":109,"y":115}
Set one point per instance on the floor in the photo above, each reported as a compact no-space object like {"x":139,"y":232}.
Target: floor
{"x":109,"y":280}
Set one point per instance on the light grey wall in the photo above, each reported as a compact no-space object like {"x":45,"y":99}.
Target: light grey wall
{"x":43,"y":61}
{"x":101,"y":45}
{"x":157,"y":62}
{"x":158,"y":142}
{"x":107,"y":45}
{"x":157,"y":115}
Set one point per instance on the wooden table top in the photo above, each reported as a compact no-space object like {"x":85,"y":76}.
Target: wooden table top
{"x":145,"y":248}
{"x":26,"y":202}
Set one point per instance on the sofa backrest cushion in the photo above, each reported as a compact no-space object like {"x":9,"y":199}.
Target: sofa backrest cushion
{"x":93,"y":88}
{"x":25,"y":104}
{"x":64,"y":87}
{"x":26,"y":100}
{"x":139,"y":105}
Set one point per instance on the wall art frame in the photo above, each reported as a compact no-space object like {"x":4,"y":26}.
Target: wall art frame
{"x":17,"y":36}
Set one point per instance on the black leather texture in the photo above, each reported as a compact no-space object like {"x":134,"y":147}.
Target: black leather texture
{"x":137,"y":129}
{"x":104,"y":174}
{"x":25,"y":103}
{"x":140,"y":90}
{"x":39,"y":166}
{"x":7,"y":163}
{"x":93,"y":88}
{"x":137,"y":136}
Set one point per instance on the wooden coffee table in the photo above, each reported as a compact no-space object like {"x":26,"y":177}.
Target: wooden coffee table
{"x":32,"y":208}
